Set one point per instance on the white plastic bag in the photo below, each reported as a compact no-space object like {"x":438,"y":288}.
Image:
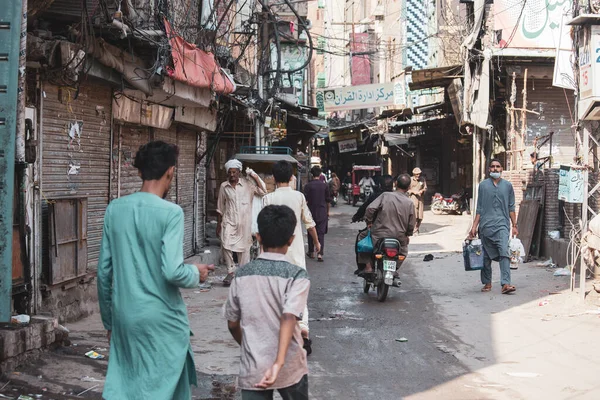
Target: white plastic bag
{"x":517,"y":252}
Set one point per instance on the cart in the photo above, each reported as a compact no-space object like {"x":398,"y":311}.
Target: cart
{"x":359,"y":171}
{"x":261,"y":160}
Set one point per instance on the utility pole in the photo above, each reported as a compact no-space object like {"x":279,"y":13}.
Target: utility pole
{"x":10,"y":30}
{"x":262,"y":60}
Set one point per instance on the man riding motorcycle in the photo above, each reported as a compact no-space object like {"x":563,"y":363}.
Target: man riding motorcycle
{"x":387,"y":185}
{"x":366,"y":185}
{"x":391,"y":215}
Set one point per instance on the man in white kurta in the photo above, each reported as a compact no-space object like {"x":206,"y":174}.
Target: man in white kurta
{"x":234,"y":208}
{"x":284,"y":195}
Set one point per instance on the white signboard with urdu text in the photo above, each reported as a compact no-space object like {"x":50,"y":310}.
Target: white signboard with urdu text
{"x":347,"y":146}
{"x":570,"y":184}
{"x":361,"y":96}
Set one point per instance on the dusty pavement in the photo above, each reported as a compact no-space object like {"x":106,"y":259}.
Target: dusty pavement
{"x":462,"y":344}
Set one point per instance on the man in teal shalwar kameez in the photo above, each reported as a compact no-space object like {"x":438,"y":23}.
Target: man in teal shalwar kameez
{"x":140,"y":272}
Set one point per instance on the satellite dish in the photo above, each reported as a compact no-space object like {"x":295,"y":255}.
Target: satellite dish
{"x":307,"y":24}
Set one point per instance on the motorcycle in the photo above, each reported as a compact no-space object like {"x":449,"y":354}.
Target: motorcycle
{"x":457,"y":203}
{"x":334,"y":200}
{"x":386,"y":260}
{"x":362,"y":195}
{"x":347,"y":192}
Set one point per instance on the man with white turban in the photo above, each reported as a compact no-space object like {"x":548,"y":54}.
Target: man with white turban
{"x":234,"y":219}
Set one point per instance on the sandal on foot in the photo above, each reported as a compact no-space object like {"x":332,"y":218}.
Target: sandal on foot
{"x":310,"y":255}
{"x":506,"y":289}
{"x":320,"y":258}
{"x":486,"y":288}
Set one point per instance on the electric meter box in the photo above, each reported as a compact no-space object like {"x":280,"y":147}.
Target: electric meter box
{"x":570,"y":184}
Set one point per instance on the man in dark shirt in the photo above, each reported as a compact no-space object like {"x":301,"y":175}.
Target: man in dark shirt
{"x":387,"y":185}
{"x":318,"y":199}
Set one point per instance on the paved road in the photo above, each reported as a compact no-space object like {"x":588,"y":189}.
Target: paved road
{"x":356,"y":355}
{"x":462,"y":344}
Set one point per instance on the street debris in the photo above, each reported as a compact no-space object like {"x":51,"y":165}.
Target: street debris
{"x":588,"y":312}
{"x":20,"y":319}
{"x":23,"y":397}
{"x":339,"y":316}
{"x":566,"y":271}
{"x":91,"y":379}
{"x":87,"y":390}
{"x":548,"y":263}
{"x":544,"y":303}
{"x":6,"y":397}
{"x":523,"y":374}
{"x":94,"y":356}
{"x":428,"y":257}
{"x":444,"y":349}
{"x":402,"y":340}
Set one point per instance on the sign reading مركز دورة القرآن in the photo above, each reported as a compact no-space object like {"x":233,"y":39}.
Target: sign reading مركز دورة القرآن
{"x":361,"y":96}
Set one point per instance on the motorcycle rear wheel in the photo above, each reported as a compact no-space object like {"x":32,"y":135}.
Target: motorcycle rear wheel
{"x":382,"y":291}
{"x":382,"y":288}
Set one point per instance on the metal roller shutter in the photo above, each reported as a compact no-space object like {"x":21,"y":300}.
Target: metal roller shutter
{"x":132,"y":137}
{"x":76,"y":160}
{"x":554,"y":116}
{"x":182,"y":191}
{"x":186,"y":177}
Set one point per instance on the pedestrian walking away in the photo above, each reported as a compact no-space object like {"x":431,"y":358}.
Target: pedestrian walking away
{"x":267,"y":298}
{"x":418,"y":187}
{"x":140,"y":271}
{"x":495,"y":214}
{"x":286,"y":196}
{"x":234,"y":215}
{"x":318,"y":199}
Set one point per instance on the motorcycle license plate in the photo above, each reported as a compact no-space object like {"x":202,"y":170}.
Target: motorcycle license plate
{"x":389,"y":265}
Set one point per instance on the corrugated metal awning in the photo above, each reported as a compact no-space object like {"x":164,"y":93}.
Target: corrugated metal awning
{"x":434,"y":77}
{"x":268,"y":158}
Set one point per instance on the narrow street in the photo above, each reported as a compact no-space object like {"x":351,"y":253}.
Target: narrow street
{"x":461,"y":343}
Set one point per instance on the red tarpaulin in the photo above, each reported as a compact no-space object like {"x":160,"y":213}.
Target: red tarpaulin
{"x":361,"y":65}
{"x":196,"y":67}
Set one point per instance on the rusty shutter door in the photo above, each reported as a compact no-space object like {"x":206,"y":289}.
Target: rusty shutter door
{"x":131,"y":137}
{"x":168,"y":136}
{"x":554,"y":116}
{"x":76,"y":159}
{"x":180,"y":194}
{"x":186,"y":177}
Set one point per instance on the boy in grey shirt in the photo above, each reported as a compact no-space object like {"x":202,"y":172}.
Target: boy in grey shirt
{"x":266,"y":300}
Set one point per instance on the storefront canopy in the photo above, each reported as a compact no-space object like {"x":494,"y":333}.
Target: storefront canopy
{"x":435,"y":77}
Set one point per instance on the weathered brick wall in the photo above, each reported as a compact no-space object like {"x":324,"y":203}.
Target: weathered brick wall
{"x":520,"y":180}
{"x":553,"y":220}
{"x":551,"y":209}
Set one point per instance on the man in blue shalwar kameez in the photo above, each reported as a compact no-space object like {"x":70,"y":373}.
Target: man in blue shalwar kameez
{"x":140,"y":271}
{"x":495,"y":213}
